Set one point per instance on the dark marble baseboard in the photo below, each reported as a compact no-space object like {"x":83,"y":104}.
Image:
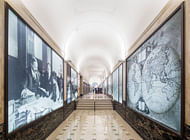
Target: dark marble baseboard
{"x":1,"y":131}
{"x":119,"y":109}
{"x":187,"y":132}
{"x":146,"y":128}
{"x":42,"y":128}
{"x":68,"y":109}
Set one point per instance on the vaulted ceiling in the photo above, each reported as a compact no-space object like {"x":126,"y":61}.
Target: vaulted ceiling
{"x":94,"y":34}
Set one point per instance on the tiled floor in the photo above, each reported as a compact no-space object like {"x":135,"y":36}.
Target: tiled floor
{"x":94,"y":125}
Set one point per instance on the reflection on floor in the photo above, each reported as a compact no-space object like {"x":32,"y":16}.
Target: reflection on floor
{"x":95,"y":96}
{"x":94,"y":125}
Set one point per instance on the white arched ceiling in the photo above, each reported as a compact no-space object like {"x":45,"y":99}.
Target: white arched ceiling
{"x":94,"y":34}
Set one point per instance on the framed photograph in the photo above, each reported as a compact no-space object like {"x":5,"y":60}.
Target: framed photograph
{"x":117,"y":77}
{"x":69,"y":90}
{"x":109,"y":85}
{"x":33,"y":74}
{"x":155,"y":75}
{"x":74,"y":84}
{"x":120,"y":83}
{"x":58,"y":77}
{"x":115,"y":85}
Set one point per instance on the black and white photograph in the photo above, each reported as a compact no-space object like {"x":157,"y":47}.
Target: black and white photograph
{"x":115,"y":85}
{"x":69,"y":96}
{"x":57,"y":76}
{"x":74,"y":84}
{"x":109,"y":85}
{"x":154,"y":74}
{"x":120,"y":80}
{"x":35,"y":75}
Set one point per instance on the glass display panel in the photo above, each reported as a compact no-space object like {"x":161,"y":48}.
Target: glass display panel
{"x":115,"y":85}
{"x":74,"y":84}
{"x":109,"y":85}
{"x":35,"y":75}
{"x":69,"y":96}
{"x":154,"y":75}
{"x":57,"y":78}
{"x":120,"y":70}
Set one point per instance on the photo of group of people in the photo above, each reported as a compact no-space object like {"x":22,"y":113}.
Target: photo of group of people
{"x":72,"y":84}
{"x":35,"y":75}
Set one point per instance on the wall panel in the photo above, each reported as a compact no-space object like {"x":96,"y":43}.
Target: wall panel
{"x":165,"y":12}
{"x":124,"y":81}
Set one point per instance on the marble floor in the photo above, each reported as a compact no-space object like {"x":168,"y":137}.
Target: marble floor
{"x":94,"y":125}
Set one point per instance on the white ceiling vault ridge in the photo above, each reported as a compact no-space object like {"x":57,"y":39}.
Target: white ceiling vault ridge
{"x":94,"y":34}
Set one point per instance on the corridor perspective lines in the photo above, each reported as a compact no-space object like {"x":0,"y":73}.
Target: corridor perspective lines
{"x":94,"y":125}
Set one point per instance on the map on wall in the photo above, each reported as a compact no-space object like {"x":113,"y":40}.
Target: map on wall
{"x":154,"y":75}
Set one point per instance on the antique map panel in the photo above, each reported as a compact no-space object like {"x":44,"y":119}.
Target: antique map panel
{"x":154,"y":75}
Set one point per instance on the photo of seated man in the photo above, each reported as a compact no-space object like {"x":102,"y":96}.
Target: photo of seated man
{"x":32,"y":83}
{"x":50,"y":83}
{"x":35,"y":76}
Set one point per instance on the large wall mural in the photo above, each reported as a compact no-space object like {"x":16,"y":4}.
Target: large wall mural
{"x":109,"y":85}
{"x":74,"y":84}
{"x":68,"y":79}
{"x":115,"y":85}
{"x":120,"y":83}
{"x":154,"y":74}
{"x":34,"y":75}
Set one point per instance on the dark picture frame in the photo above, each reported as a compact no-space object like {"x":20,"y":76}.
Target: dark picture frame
{"x":61,"y":94}
{"x":179,"y":132}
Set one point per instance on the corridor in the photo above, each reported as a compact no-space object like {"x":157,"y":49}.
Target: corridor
{"x":94,"y":69}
